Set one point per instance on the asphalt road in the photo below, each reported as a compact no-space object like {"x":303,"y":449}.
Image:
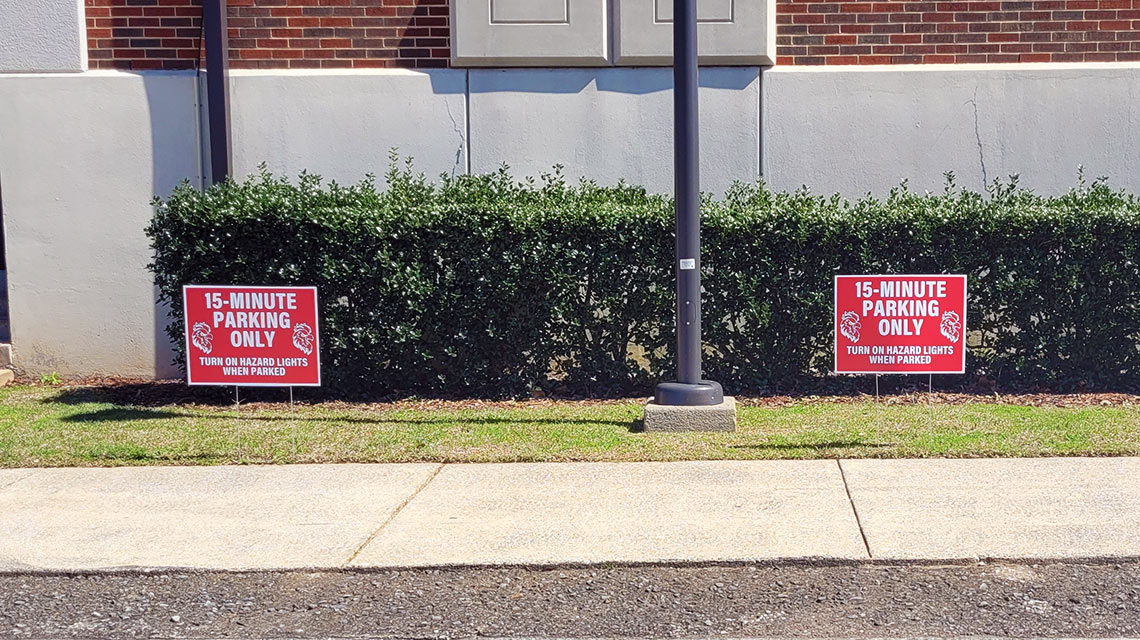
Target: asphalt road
{"x":1048,"y":599}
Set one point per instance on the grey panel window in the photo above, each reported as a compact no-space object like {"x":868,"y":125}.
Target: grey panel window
{"x":730,"y":32}
{"x":524,"y":33}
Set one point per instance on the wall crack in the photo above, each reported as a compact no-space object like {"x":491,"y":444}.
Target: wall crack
{"x":459,"y":132}
{"x":978,"y":139}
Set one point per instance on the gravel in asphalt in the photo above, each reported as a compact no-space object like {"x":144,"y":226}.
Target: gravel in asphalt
{"x":1047,"y":599}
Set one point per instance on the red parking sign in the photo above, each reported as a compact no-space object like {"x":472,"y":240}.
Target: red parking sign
{"x":900,"y":324}
{"x":252,"y":336}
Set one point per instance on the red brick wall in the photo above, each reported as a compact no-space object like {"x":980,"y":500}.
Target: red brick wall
{"x":873,"y":32}
{"x":142,"y":34}
{"x":339,"y":33}
{"x":164,"y":34}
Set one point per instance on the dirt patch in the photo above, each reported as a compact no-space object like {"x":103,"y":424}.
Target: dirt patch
{"x":947,"y":398}
{"x":147,"y":393}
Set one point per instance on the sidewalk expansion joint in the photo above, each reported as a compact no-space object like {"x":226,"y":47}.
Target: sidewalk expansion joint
{"x":854,"y":510}
{"x":392,"y":516}
{"x":18,"y":478}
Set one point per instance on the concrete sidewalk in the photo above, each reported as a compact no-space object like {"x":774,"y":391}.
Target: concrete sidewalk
{"x":556,"y":513}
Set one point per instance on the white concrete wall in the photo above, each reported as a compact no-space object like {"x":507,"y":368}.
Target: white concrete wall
{"x":604,"y":124}
{"x":608,"y":124}
{"x":42,"y":35}
{"x":81,"y":155}
{"x":859,"y":130}
{"x":343,"y":125}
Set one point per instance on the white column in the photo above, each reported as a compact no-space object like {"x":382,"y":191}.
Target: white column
{"x":42,"y":35}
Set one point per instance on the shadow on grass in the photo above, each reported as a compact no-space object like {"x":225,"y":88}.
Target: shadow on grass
{"x":123,"y":415}
{"x":126,"y":414}
{"x":132,"y":453}
{"x":144,"y":394}
{"x":164,"y":393}
{"x":819,"y":446}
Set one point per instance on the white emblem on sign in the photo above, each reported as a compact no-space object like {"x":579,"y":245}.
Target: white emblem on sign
{"x":849,"y":326}
{"x":688,"y":263}
{"x":202,"y":337}
{"x":303,"y":338}
{"x":951,"y":326}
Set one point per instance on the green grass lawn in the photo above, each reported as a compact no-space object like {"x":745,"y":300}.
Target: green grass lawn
{"x":65,"y":426}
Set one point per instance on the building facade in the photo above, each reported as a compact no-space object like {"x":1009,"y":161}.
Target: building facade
{"x":102,"y":107}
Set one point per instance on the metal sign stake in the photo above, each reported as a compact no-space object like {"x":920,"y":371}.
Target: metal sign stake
{"x":237,"y":407}
{"x":878,"y":407}
{"x":296,"y":449}
{"x":930,"y":398}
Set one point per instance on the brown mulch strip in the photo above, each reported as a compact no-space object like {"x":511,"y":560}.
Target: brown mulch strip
{"x":136,"y":392}
{"x":949,"y":398}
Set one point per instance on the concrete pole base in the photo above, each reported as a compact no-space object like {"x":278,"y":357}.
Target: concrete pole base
{"x":670,"y":418}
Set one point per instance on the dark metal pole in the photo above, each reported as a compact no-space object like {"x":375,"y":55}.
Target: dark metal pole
{"x":217,"y":87}
{"x":689,"y":389}
{"x":687,"y":179}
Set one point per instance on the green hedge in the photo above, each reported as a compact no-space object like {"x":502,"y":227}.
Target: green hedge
{"x":483,"y":285}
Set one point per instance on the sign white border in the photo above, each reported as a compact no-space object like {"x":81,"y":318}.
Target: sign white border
{"x":835,"y":310}
{"x":186,"y":334}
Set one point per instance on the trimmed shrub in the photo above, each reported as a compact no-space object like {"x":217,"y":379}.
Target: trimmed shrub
{"x":482,"y":285}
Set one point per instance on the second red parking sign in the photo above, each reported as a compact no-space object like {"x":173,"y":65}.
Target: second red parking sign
{"x":252,"y":336}
{"x":900,"y":324}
